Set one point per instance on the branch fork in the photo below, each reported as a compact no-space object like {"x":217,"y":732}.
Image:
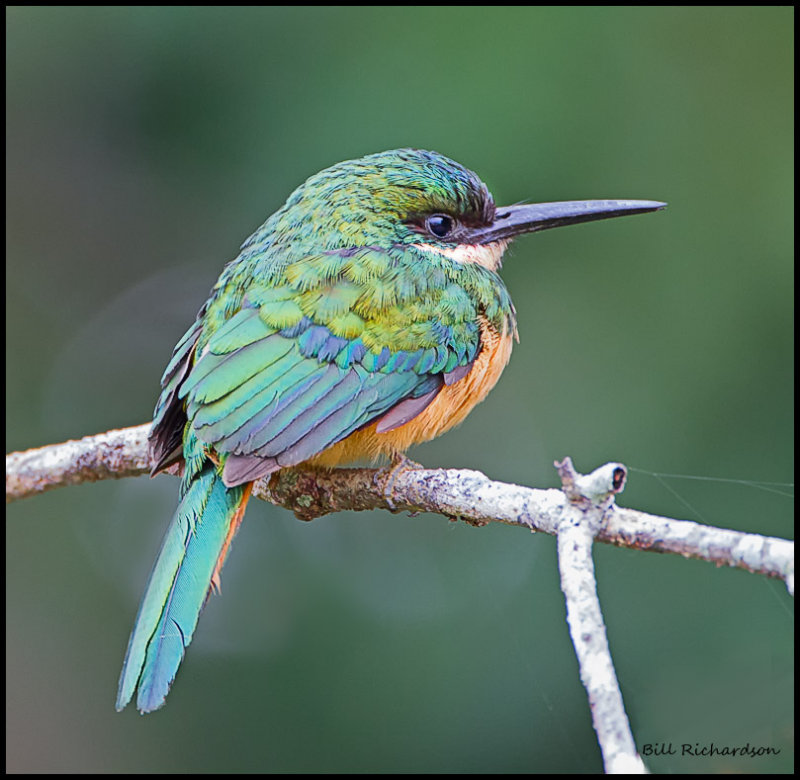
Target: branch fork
{"x":591,"y":500}
{"x":583,"y":512}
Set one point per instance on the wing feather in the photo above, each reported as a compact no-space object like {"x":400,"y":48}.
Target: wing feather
{"x":269,"y":387}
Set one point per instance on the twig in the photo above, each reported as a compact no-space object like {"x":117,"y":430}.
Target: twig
{"x":592,"y":499}
{"x":583,"y":512}
{"x":456,"y":493}
{"x":110,"y":455}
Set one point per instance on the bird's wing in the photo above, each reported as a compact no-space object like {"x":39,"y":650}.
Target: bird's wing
{"x":299,"y":368}
{"x":169,"y":418}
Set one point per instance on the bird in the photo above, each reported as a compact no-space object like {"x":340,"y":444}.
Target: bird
{"x":364,"y":316}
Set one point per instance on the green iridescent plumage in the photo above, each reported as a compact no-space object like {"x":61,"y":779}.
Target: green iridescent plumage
{"x":179,"y":584}
{"x":334,"y":311}
{"x":368,"y":297}
{"x":327,"y":320}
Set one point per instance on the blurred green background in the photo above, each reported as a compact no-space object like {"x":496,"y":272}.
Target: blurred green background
{"x":145,"y":144}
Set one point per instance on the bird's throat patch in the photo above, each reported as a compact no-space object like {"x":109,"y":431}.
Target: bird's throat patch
{"x":488,"y":255}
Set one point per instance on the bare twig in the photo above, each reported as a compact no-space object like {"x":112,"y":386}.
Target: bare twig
{"x":592,"y":499}
{"x":583,"y":512}
{"x":455,"y":493}
{"x":110,"y":455}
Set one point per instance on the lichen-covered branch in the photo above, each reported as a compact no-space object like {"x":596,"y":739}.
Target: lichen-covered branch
{"x":455,"y":493}
{"x":582,"y":512}
{"x":591,"y":501}
{"x":110,"y":455}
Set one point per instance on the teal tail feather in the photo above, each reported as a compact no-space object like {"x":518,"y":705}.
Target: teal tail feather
{"x":187,"y":568}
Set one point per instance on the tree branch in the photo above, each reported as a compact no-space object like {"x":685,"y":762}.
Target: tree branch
{"x":584,"y":510}
{"x":591,"y":501}
{"x":455,"y":493}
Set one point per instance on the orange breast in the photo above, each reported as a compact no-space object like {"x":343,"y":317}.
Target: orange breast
{"x":449,"y":408}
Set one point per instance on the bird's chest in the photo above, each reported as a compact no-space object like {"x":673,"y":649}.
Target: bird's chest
{"x":449,"y":408}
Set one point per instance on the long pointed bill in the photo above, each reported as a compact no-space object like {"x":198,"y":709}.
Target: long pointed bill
{"x":527,"y":218}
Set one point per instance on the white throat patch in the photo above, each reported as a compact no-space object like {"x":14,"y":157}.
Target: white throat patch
{"x":487,"y":255}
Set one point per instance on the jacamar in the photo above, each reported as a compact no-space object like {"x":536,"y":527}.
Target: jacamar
{"x":362,"y":317}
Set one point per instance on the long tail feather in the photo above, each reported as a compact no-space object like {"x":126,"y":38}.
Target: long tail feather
{"x":188,"y":565}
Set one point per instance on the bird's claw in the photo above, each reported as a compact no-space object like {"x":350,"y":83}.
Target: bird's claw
{"x":386,"y":477}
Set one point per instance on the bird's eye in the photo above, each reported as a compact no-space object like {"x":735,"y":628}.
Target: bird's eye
{"x":440,"y":225}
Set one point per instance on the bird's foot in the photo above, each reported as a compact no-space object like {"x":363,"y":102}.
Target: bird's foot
{"x":386,"y":477}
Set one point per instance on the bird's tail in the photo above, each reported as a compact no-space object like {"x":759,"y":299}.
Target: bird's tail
{"x":186,"y":571}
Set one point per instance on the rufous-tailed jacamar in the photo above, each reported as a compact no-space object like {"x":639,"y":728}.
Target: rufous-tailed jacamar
{"x":362,"y":317}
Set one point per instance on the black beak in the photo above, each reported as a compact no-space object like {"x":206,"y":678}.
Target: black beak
{"x":527,"y":218}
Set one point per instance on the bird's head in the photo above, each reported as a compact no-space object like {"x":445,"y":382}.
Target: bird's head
{"x":416,"y":197}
